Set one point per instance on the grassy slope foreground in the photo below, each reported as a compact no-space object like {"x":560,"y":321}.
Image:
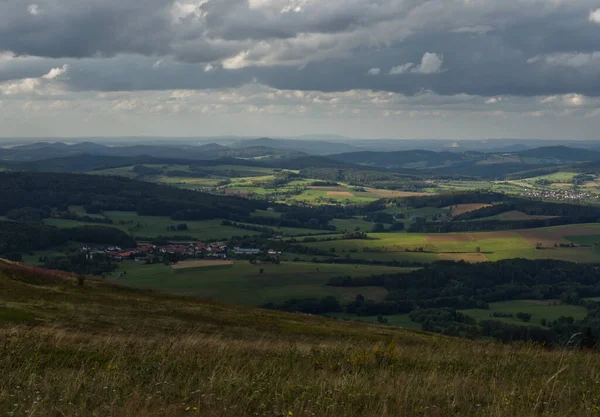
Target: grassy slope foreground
{"x":105,"y":350}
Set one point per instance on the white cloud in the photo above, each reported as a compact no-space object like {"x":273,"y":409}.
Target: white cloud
{"x":431,"y":63}
{"x":43,"y":84}
{"x":56,"y":72}
{"x":158,"y":63}
{"x":24,"y":86}
{"x":493,"y":100}
{"x":237,"y":61}
{"x":401,"y":69}
{"x":374,"y":71}
{"x":209,"y":68}
{"x":191,"y":9}
{"x":595,"y":16}
{"x":34,"y":10}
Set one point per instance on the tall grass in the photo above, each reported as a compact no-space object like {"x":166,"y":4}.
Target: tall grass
{"x":106,"y":351}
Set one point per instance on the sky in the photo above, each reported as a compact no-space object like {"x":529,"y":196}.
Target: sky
{"x":448,"y":69}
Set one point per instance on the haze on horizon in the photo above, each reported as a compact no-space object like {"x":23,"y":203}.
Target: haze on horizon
{"x":407,"y":69}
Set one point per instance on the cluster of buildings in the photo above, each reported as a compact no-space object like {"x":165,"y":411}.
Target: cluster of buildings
{"x":571,"y":194}
{"x":143,"y":250}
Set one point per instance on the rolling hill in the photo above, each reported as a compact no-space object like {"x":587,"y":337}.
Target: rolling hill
{"x":85,"y":347}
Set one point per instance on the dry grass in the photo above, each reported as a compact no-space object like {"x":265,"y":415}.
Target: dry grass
{"x":109,"y":351}
{"x":200,"y":264}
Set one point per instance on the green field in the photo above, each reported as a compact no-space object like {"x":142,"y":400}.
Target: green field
{"x":455,"y":246}
{"x":154,"y":226}
{"x":545,"y":309}
{"x":242,"y":282}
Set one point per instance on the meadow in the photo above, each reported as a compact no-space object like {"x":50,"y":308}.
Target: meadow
{"x":243,"y":283}
{"x":480,"y":246}
{"x":548,"y":310}
{"x":104,"y":350}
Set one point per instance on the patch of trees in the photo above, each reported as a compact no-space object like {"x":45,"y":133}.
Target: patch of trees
{"x":69,"y":215}
{"x":265,"y":231}
{"x":578,"y":212}
{"x":181,"y":227}
{"x":451,"y":199}
{"x":492,"y":225}
{"x":81,"y":263}
{"x":144,"y":170}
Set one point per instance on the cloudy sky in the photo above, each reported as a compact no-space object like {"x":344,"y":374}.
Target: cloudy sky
{"x":456,"y":69}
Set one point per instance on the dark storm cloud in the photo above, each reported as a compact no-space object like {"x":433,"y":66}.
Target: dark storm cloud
{"x":486,"y":47}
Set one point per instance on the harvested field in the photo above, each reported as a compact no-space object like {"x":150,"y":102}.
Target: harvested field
{"x":561,"y":184}
{"x":200,"y":264}
{"x":467,"y":257}
{"x":459,"y":209}
{"x":449,"y":238}
{"x":339,"y":194}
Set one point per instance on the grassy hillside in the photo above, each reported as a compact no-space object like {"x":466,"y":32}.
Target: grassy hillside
{"x":106,"y":350}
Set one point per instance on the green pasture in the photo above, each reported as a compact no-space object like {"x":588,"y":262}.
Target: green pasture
{"x":557,"y":177}
{"x":542,"y":309}
{"x":242,"y":282}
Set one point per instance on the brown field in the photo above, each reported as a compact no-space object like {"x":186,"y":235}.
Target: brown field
{"x":561,"y":184}
{"x":394,"y":193}
{"x":449,"y":238}
{"x":495,"y":235}
{"x":467,"y":257}
{"x":533,"y":237}
{"x":459,"y":209}
{"x":200,"y":264}
{"x":339,"y":194}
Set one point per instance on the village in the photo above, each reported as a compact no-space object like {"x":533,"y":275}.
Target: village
{"x":175,"y":251}
{"x":565,"y":194}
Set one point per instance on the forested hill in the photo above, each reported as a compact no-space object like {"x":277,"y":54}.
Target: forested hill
{"x":561,"y":153}
{"x":400,"y":158}
{"x":88,"y":163}
{"x":99,"y":193}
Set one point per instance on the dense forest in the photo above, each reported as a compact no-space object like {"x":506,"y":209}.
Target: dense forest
{"x":99,"y":193}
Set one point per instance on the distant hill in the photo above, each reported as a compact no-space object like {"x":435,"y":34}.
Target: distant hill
{"x":42,"y":150}
{"x":314,"y":162}
{"x":313,"y":147}
{"x":561,"y":153}
{"x":402,"y":158}
{"x":87,"y":163}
